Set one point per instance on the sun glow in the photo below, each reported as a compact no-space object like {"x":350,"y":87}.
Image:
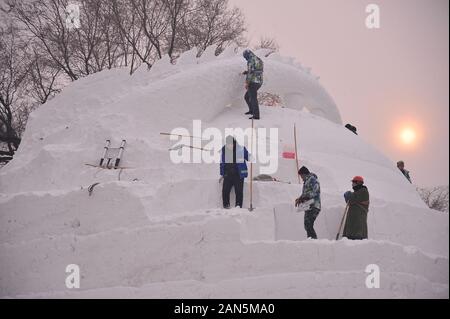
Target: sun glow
{"x":408,"y":136}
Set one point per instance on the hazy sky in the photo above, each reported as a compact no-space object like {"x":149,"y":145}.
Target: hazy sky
{"x":381,"y":79}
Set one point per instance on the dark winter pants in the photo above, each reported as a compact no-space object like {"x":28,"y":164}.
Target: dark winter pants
{"x":251,"y":97}
{"x":228,"y":184}
{"x":310,"y":217}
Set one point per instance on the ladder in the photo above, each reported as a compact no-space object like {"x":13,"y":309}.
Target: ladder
{"x":111,"y":156}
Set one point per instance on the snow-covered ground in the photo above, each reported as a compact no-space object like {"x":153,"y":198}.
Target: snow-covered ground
{"x":156,"y":230}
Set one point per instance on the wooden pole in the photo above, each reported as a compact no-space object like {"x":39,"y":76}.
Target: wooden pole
{"x":296,"y":153}
{"x":179,"y":135}
{"x":342,"y":222}
{"x":251,"y":171}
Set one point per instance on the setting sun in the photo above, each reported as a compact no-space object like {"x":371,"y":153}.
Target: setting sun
{"x":408,"y":136}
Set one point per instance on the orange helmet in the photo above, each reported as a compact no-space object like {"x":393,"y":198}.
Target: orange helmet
{"x":358,"y":179}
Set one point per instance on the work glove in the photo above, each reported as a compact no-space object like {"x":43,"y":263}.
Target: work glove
{"x":347,"y":196}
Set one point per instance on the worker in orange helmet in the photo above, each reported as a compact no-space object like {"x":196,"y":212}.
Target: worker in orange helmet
{"x":358,"y":206}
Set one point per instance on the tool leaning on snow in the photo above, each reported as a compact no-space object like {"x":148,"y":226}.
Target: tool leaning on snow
{"x":180,"y":146}
{"x":110,"y":156}
{"x":251,"y":208}
{"x":342,"y":222}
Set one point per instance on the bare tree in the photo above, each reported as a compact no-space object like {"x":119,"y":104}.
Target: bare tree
{"x":13,"y":72}
{"x":76,"y":51}
{"x":268,"y":43}
{"x":136,"y":47}
{"x":210,"y":22}
{"x":42,"y":82}
{"x":156,"y":27}
{"x":176,"y":11}
{"x":89,"y":54}
{"x":97,"y":42}
{"x":45,"y":21}
{"x":115,"y":47}
{"x":436,"y":197}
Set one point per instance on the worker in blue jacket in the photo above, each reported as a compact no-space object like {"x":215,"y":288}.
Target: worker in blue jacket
{"x":233,"y":169}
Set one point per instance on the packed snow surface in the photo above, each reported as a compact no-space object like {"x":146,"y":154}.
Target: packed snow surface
{"x":156,"y":229}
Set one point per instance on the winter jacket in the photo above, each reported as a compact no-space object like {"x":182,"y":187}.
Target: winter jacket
{"x":356,"y":222}
{"x":311,"y":190}
{"x":237,"y":163}
{"x":406,"y":174}
{"x":255,"y":69}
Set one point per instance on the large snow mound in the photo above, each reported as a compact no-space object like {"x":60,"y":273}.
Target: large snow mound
{"x":157,"y":230}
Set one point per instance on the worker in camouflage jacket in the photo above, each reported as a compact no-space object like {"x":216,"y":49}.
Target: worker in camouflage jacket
{"x":253,"y":82}
{"x":311,"y":191}
{"x":358,"y":206}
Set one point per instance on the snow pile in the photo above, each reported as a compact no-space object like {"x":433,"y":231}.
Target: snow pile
{"x":156,"y":230}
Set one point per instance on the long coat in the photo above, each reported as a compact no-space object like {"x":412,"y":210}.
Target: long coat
{"x":356,"y":222}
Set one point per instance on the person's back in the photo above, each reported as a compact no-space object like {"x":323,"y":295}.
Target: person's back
{"x":233,"y":169}
{"x":406,"y":174}
{"x":255,"y":69}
